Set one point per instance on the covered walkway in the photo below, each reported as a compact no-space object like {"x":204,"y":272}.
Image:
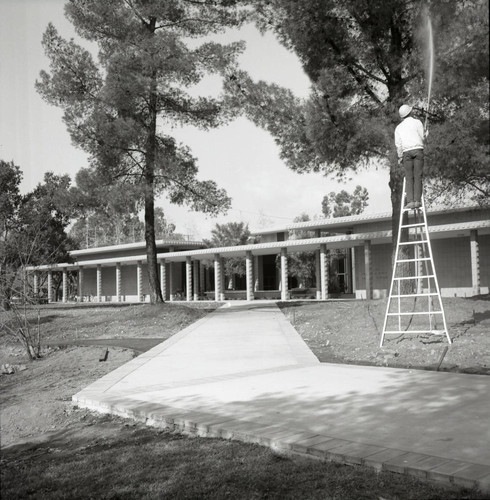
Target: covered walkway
{"x":182,"y":275}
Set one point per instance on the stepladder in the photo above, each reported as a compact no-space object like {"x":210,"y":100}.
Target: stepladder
{"x":414,"y":301}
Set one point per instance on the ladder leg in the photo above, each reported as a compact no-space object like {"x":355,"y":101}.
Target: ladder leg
{"x":436,"y":283}
{"x":383,"y":333}
{"x":427,"y":272}
{"x":399,"y":308}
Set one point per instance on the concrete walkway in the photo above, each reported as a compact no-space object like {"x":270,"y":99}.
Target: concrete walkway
{"x":243,"y":372}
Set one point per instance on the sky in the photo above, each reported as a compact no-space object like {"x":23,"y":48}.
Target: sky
{"x":241,"y":158}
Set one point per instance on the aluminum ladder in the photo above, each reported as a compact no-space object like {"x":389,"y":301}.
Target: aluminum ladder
{"x":414,"y":278}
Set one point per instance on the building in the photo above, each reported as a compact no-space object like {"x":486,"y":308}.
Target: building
{"x":460,"y":241}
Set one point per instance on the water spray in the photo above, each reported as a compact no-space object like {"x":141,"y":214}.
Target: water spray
{"x":431,"y":65}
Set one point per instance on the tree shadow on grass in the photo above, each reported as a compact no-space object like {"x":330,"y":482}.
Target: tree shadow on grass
{"x":479,"y":297}
{"x":481,"y":316}
{"x":135,"y":462}
{"x":477,"y":317}
{"x":136,"y":344}
{"x":49,"y":318}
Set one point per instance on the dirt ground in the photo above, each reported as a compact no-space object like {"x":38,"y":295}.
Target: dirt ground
{"x":36,"y":399}
{"x":349,"y":332}
{"x":36,"y":402}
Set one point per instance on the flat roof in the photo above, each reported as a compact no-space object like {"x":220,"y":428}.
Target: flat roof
{"x":337,"y":241}
{"x":354,"y":220}
{"x":134,"y":246}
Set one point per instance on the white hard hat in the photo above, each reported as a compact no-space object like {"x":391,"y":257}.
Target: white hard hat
{"x":404,"y":110}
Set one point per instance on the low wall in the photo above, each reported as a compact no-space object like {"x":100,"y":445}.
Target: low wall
{"x":377,"y":294}
{"x":462,"y":291}
{"x":445,"y":292}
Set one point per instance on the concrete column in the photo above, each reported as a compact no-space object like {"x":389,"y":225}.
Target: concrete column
{"x":50,"y":286}
{"x":368,"y":269}
{"x":217,"y":278}
{"x":35,"y":283}
{"x":223,"y":278}
{"x":65,"y":285}
{"x":284,"y":274}
{"x":197,"y":275}
{"x":118,"y":282}
{"x":475,"y":262}
{"x":250,"y":275}
{"x":188,"y":279}
{"x":171,"y":281}
{"x":318,"y":281}
{"x":99,"y":283}
{"x":80,"y":283}
{"x":139,"y":280}
{"x":318,"y":275}
{"x":163,"y":278}
{"x":323,"y":271}
{"x":353,"y":268}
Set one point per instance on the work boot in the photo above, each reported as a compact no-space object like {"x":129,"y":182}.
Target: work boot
{"x":417,"y":204}
{"x":410,"y":205}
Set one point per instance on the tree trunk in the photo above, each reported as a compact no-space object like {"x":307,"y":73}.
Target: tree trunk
{"x":396,"y":186}
{"x":151,"y":248}
{"x":4,"y":289}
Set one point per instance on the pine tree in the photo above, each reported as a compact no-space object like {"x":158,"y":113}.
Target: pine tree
{"x":365,"y":59}
{"x":120,"y":109}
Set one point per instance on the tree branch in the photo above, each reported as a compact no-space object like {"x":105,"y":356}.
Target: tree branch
{"x":185,"y":21}
{"x":187,"y":188}
{"x":129,"y":3}
{"x":350,"y":65}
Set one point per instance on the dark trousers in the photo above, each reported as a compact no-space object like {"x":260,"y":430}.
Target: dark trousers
{"x":413,"y":163}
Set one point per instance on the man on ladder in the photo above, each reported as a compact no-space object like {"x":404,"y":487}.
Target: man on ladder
{"x":409,"y":141}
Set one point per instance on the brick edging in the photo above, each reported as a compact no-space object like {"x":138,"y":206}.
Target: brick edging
{"x":437,"y":469}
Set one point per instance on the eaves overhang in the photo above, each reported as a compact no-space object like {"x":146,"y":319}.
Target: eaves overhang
{"x":305,"y":245}
{"x":134,"y":246}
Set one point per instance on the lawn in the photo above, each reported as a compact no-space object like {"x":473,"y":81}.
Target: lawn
{"x":51,"y":449}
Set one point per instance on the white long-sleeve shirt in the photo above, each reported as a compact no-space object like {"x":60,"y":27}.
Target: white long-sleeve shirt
{"x":409,"y":134}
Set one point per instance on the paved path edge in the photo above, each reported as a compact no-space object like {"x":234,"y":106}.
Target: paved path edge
{"x":288,"y":440}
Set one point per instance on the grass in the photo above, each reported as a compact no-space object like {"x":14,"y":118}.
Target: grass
{"x":66,"y":322}
{"x":139,"y":462}
{"x":58,"y":451}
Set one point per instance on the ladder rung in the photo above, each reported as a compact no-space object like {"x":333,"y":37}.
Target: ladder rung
{"x":419,"y":224}
{"x":435,"y":332}
{"x":418,"y":242}
{"x":415,"y":295}
{"x":413,"y":313}
{"x":415,"y":277}
{"x":413,"y":260}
